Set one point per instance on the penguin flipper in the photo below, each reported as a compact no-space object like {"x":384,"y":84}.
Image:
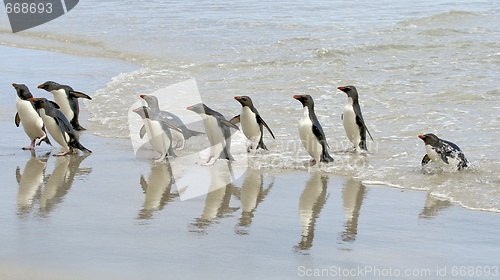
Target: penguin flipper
{"x":319,"y":134}
{"x":166,"y":125}
{"x":260,"y":120}
{"x":426,"y":160}
{"x":54,"y":104}
{"x":142,"y":132}
{"x":17,"y":119}
{"x":444,"y":158}
{"x":360,"y":121}
{"x":235,"y":119}
{"x":228,"y":123}
{"x":79,"y":95}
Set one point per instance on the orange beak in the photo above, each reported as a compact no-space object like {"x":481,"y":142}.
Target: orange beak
{"x":142,"y":95}
{"x":421,"y":137}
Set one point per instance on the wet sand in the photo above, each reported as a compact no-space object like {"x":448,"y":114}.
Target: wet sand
{"x":107,"y":215}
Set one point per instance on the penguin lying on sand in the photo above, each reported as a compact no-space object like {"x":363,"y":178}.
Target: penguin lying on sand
{"x":184,"y":134}
{"x":58,"y":126}
{"x":310,"y":131}
{"x":29,"y":117}
{"x":67,"y":99}
{"x":158,"y":131}
{"x":443,"y":152}
{"x":218,"y":131}
{"x":252,"y":123}
{"x":354,"y":124}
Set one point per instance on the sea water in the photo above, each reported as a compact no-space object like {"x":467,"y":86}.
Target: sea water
{"x":420,"y":67}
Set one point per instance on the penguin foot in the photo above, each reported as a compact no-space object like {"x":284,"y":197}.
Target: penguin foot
{"x":64,"y":153}
{"x":209,"y":161}
{"x":312,"y":161}
{"x":30,"y":147}
{"x":182,"y":146}
{"x":160,"y":159}
{"x":40,"y":140}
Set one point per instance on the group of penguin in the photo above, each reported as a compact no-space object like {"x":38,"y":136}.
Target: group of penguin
{"x":59,"y":118}
{"x":164,"y":128}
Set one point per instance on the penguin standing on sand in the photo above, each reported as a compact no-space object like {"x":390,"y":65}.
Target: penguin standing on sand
{"x":67,"y":99}
{"x":58,"y":126}
{"x":354,"y":124}
{"x":158,"y":131}
{"x":29,"y":117}
{"x":443,"y":152}
{"x":184,"y":134}
{"x":310,"y":131}
{"x":252,"y":123}
{"x":218,"y":132}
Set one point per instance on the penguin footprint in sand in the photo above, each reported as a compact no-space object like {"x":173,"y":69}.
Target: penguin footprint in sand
{"x":58,"y":126}
{"x":444,"y":153}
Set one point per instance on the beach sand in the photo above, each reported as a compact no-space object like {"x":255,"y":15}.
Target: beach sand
{"x":107,"y":215}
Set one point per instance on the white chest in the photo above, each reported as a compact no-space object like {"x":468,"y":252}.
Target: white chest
{"x":309,"y":140}
{"x":434,"y":156}
{"x":249,"y":124}
{"x":350,"y":126}
{"x":54,"y":130}
{"x":61,"y":99}
{"x":214,"y":132}
{"x":158,"y":139}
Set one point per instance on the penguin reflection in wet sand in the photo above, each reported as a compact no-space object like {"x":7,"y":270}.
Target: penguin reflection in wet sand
{"x":67,"y":99}
{"x":58,"y":126}
{"x":158,"y":131}
{"x":184,"y":134}
{"x":252,"y":123}
{"x":310,"y":131}
{"x":443,"y":152}
{"x":218,"y":132}
{"x":29,"y":117}
{"x":354,"y":124}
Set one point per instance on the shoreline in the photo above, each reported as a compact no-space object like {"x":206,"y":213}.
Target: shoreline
{"x":107,"y":213}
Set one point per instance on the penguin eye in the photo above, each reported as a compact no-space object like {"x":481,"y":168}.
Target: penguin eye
{"x":244,"y":99}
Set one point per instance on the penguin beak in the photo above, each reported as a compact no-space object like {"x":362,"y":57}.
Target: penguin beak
{"x":135,"y":110}
{"x":422,"y":137}
{"x":40,"y":86}
{"x":190,"y":108}
{"x":297,"y":97}
{"x":344,"y":89}
{"x":14,"y":85}
{"x":33,"y":99}
{"x":237,"y":98}
{"x":143,"y":96}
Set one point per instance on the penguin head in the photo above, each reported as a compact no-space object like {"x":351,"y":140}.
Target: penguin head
{"x":150,"y":99}
{"x":198,"y":108}
{"x":142,"y":111}
{"x":305,"y":99}
{"x":350,"y":91}
{"x":22,"y":91}
{"x":244,"y":100}
{"x":430,"y":139}
{"x":41,"y":103}
{"x":49,"y":86}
